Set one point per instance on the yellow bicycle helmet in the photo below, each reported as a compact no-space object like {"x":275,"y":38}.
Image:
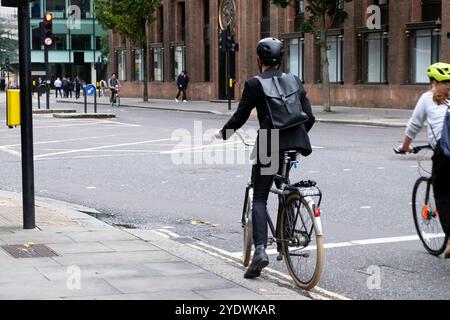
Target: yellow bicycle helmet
{"x":439,"y":71}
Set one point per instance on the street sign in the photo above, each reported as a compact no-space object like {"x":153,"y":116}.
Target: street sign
{"x":90,"y":89}
{"x":48,"y":41}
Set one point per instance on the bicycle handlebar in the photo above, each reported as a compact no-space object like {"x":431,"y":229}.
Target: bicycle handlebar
{"x":416,"y":149}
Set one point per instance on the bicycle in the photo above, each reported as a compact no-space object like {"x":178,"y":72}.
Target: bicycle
{"x":298,"y":232}
{"x":425,"y":213}
{"x":115,"y":99}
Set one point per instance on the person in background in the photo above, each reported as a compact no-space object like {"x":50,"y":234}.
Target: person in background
{"x":182,"y":82}
{"x":58,"y":87}
{"x":77,"y":87}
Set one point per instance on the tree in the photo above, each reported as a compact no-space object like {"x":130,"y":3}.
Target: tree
{"x":129,"y":18}
{"x":8,"y":45}
{"x":322,"y":15}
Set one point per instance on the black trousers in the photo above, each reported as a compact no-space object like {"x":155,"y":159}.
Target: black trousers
{"x":441,"y":187}
{"x":58,"y":90}
{"x":182,"y":90}
{"x":262,"y":183}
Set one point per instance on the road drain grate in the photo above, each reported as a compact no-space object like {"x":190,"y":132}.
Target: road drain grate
{"x":28,"y":250}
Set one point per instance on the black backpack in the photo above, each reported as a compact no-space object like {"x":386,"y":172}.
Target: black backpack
{"x":445,"y":137}
{"x":283,"y":99}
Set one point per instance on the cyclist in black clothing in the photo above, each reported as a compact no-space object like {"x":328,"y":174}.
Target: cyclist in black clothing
{"x":270,"y":53}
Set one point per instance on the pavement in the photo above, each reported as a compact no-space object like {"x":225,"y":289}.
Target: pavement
{"x":85,"y":258}
{"x":339,"y":114}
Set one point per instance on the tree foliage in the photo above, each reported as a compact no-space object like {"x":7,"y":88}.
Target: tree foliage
{"x":321,"y":16}
{"x":129,"y":18}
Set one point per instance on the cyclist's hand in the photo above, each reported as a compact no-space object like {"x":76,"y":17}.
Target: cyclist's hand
{"x":218,"y":135}
{"x":402,"y":148}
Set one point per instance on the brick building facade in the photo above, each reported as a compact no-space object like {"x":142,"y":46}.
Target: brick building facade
{"x":383,"y":67}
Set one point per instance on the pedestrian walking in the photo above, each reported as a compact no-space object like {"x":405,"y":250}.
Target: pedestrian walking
{"x":70,"y":88}
{"x":77,"y":87}
{"x":182,"y":84}
{"x":58,"y":86}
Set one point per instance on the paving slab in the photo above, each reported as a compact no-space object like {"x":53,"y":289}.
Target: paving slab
{"x":129,"y":245}
{"x":25,"y":290}
{"x":180,"y":282}
{"x":106,"y":235}
{"x":161,"y":295}
{"x":80,"y":247}
{"x":115,"y":258}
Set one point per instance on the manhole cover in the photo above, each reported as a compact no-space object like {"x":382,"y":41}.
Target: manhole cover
{"x":29,"y":251}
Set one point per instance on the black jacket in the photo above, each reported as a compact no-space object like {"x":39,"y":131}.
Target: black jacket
{"x":295,"y":138}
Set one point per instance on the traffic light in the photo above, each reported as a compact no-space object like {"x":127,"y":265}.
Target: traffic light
{"x":48,"y":29}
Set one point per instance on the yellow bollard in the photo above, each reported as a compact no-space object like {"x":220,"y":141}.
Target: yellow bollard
{"x":12,"y":108}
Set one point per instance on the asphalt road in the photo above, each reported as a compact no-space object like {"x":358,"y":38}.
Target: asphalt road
{"x":127,"y":169}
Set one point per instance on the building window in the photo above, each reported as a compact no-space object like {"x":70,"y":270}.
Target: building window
{"x":431,"y":10}
{"x":334,"y":51}
{"x":179,"y":53}
{"x":122,"y":65}
{"x":158,"y":64}
{"x":81,"y":42}
{"x":206,"y":37}
{"x":36,"y":38}
{"x":59,"y":42}
{"x":265,"y":18}
{"x":376,"y":46}
{"x":425,"y":52}
{"x":138,"y":65}
{"x":299,"y":14}
{"x":182,"y":20}
{"x":35,"y":9}
{"x":295,"y":56}
{"x":56,"y":5}
{"x":85,"y":7}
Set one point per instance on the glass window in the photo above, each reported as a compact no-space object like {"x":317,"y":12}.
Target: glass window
{"x":59,"y":42}
{"x":335,"y":58}
{"x":121,"y":65}
{"x":36,"y":38}
{"x":138,"y":65}
{"x":81,"y":42}
{"x":179,"y":60}
{"x":295,"y":57}
{"x":56,"y":5}
{"x":158,"y":64}
{"x":376,"y":58}
{"x":425,"y":52}
{"x":35,"y":8}
{"x":85,"y":7}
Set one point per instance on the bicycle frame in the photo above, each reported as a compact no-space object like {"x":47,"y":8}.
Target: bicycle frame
{"x":306,"y":189}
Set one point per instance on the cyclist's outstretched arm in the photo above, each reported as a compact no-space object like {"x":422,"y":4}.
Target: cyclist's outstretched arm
{"x":248,"y":102}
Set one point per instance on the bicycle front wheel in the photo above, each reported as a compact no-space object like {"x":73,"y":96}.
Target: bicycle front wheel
{"x":426,"y":217}
{"x":302,"y":248}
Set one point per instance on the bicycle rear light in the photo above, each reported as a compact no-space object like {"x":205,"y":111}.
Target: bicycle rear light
{"x":317,"y":212}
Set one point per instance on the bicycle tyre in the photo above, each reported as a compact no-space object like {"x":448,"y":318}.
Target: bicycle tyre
{"x":310,"y":281}
{"x":248,"y":230}
{"x":418,"y":214}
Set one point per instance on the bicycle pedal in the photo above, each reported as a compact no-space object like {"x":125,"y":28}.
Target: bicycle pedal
{"x":280,"y":258}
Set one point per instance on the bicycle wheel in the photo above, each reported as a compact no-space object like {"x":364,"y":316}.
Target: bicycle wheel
{"x":302,"y":248}
{"x":426,"y":217}
{"x":247,"y":224}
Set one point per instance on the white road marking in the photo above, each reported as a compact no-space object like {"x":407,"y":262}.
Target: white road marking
{"x":347,"y":170}
{"x":12,"y":152}
{"x":366,"y":207}
{"x":355,"y":243}
{"x":92,"y":187}
{"x":100,"y":148}
{"x":381,"y":168}
{"x":193,"y":148}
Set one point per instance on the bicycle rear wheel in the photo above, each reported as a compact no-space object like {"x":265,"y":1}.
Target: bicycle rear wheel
{"x":302,"y":248}
{"x":426,"y":217}
{"x":247,"y":224}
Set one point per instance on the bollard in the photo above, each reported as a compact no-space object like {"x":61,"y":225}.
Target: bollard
{"x":39,"y":93}
{"x":85,"y":100}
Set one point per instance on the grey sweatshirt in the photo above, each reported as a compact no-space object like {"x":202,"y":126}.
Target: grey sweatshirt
{"x":427,"y":110}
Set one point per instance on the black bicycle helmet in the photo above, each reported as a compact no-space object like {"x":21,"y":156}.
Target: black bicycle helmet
{"x":270,"y":51}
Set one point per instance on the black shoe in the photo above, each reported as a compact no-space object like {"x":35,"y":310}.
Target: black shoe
{"x":259,"y":262}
